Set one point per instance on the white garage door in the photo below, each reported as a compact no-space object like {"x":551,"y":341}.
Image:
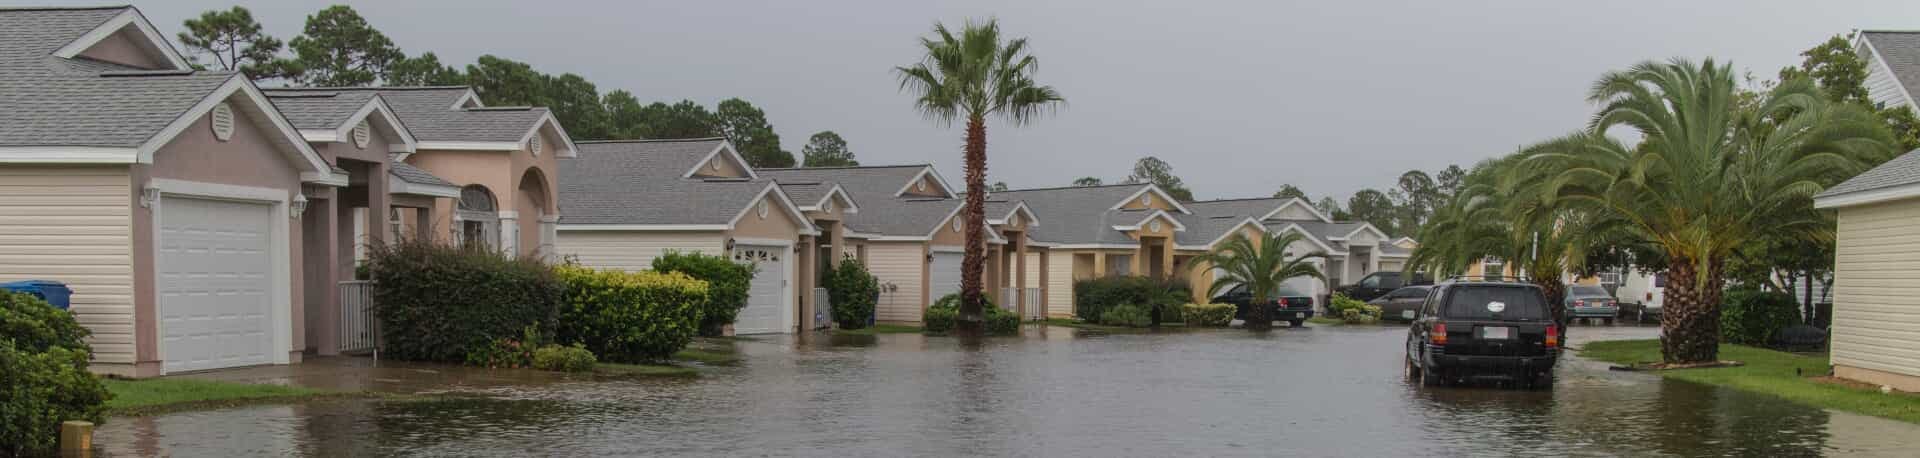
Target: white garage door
{"x":768,"y":304}
{"x":214,"y":283}
{"x":944,"y":278}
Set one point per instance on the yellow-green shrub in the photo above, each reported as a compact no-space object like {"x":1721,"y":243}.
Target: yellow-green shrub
{"x":1215,"y":315}
{"x":629,"y":317}
{"x":565,"y":359}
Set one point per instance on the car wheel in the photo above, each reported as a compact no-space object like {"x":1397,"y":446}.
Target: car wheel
{"x":1412,"y":370}
{"x":1430,"y":377}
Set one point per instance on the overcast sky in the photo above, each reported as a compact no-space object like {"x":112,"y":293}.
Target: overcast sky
{"x":1240,"y":97}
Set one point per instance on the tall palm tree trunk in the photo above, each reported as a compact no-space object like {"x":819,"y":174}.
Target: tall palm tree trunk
{"x":972,"y":316}
{"x":1257,"y":318}
{"x":1691,"y":319}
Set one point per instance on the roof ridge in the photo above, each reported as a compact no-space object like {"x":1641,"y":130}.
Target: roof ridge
{"x":64,"y":8}
{"x":844,"y":167}
{"x":1115,"y":185}
{"x":365,"y":88}
{"x":653,"y":140}
{"x":1241,"y":199}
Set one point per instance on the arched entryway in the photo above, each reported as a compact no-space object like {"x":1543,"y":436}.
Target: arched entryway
{"x":534,"y":204}
{"x":476,"y":217}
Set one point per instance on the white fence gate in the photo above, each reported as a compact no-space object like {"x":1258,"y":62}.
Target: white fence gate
{"x":822,"y":309}
{"x":359,"y":330}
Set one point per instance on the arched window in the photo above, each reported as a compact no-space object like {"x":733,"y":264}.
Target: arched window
{"x":475,"y":197}
{"x":478,"y":220}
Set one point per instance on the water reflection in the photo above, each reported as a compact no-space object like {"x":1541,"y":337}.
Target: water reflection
{"x":1055,"y":392}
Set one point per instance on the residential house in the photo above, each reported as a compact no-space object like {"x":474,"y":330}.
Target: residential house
{"x":910,"y":236}
{"x":628,"y":202}
{"x":169,"y":198}
{"x":1876,"y":289}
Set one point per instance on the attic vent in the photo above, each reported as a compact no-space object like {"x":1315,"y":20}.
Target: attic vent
{"x":1146,"y":200}
{"x":533,"y":144}
{"x":763,"y":209}
{"x":361,"y":136}
{"x":222,"y":122}
{"x":827,"y":206}
{"x":1154,"y":226}
{"x":956,"y":224}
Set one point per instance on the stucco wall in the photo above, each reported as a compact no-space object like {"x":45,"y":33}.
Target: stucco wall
{"x":925,"y":187}
{"x":1877,"y":288}
{"x":776,"y":225}
{"x":722,"y":165}
{"x":121,"y":48}
{"x":74,"y":224}
{"x":1156,"y":202}
{"x":634,"y":250}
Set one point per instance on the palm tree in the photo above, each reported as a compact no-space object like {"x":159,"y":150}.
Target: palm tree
{"x":1715,"y":167}
{"x":970,"y":77}
{"x":1262,"y":265}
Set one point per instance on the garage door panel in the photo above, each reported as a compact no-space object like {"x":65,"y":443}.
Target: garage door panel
{"x":944,"y":278}
{"x":768,"y":305}
{"x":213,"y":279}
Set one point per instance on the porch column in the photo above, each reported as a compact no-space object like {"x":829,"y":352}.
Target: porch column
{"x":1020,"y":274}
{"x":423,"y":223}
{"x":807,"y":267}
{"x":1166,"y":258}
{"x":379,"y":204}
{"x":991,"y":278}
{"x":1099,"y":264}
{"x":1046,"y":284}
{"x":509,"y":236}
{"x":1373,"y":259}
{"x":342,"y":267}
{"x":1139,"y":258}
{"x":837,"y":238}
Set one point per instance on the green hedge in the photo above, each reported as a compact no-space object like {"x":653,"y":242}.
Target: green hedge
{"x":1128,"y":315}
{"x":1092,"y":297}
{"x":630,"y":317}
{"x":1211,"y":315}
{"x":942,"y":316}
{"x":728,"y":284}
{"x":1353,"y":311}
{"x":575,"y":358}
{"x":43,"y":376}
{"x":852,"y":292}
{"x":439,"y":303}
{"x":1752,"y":317}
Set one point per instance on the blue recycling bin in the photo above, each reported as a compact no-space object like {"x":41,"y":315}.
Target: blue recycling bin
{"x":55,"y":293}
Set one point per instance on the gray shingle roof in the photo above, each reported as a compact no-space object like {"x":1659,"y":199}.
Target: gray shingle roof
{"x":873,"y":188}
{"x":1900,"y":171}
{"x":318,"y":109}
{"x":639,"y":182}
{"x":57,"y":101}
{"x":409,"y":173}
{"x":806,"y":193}
{"x":428,"y":113}
{"x":1254,"y":208}
{"x":1077,"y":215}
{"x":1901,"y":51}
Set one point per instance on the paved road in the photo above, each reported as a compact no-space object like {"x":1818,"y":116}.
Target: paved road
{"x":1334,"y":391}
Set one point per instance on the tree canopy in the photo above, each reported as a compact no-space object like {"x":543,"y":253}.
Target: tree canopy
{"x":1291,"y":191}
{"x":747,"y":128}
{"x":827,"y":149}
{"x":1153,"y":170}
{"x":339,"y":48}
{"x":235,"y":41}
{"x":1088,"y":181}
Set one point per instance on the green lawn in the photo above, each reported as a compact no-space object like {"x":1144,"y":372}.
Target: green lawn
{"x":650,"y":370}
{"x":1073,"y":323}
{"x":1768,"y":372}
{"x":139,"y":397}
{"x":879,"y":329}
{"x":707,"y":356}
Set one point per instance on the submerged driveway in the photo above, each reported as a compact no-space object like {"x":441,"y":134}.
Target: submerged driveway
{"x":1334,"y":391}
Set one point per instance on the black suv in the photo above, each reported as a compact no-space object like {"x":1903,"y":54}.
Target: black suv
{"x":1292,"y":306}
{"x":1380,"y":283}
{"x":1483,"y":329}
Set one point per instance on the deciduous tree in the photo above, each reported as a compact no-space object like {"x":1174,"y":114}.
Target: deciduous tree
{"x":827,"y":149}
{"x":1153,"y":170}
{"x":747,"y":128}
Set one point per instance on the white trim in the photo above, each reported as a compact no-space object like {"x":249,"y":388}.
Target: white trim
{"x":1020,"y":207}
{"x":897,"y":238}
{"x":328,"y":178}
{"x":1409,"y":239}
{"x":1883,"y":64}
{"x":1303,"y":203}
{"x":947,"y":249}
{"x":852,"y":234}
{"x":509,"y":214}
{"x":641,"y":227}
{"x":112,"y":26}
{"x":1095,"y":246}
{"x":396,"y":185}
{"x":278,"y":251}
{"x":727,"y":147}
{"x":1223,"y":237}
{"x":237,"y":83}
{"x":944,"y":220}
{"x":471,"y":146}
{"x":848,"y":207}
{"x":1177,"y":227}
{"x":68,"y":154}
{"x":565,"y":140}
{"x":928,"y":170}
{"x":320,"y":135}
{"x":1870,"y":196}
{"x":1156,"y":190}
{"x":790,"y":304}
{"x":406,"y":143}
{"x":1392,"y":255}
{"x":761,"y":241}
{"x":466,"y":97}
{"x":799,"y":217}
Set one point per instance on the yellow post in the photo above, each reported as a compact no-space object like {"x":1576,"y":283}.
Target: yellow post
{"x":76,"y":438}
{"x":1099,"y":264}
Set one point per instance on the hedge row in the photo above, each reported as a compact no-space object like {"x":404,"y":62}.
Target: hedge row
{"x":43,"y":375}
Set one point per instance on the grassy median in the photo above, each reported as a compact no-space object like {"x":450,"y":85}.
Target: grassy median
{"x":1798,"y":378}
{"x":145,"y":397}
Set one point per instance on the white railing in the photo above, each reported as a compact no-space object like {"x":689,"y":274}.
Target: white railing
{"x":1007,"y":300}
{"x":1034,"y":310}
{"x":822,"y":309}
{"x":359,"y":330}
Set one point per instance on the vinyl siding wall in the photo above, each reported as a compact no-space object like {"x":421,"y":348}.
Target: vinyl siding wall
{"x":633,"y":250}
{"x":1060,"y":284}
{"x":1876,"y":312}
{"x":897,"y":264}
{"x":74,"y":225}
{"x":1881,"y":86}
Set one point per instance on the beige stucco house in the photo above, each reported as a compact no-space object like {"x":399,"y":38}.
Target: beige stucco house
{"x":1876,"y":289}
{"x":628,"y":202}
{"x":169,"y":199}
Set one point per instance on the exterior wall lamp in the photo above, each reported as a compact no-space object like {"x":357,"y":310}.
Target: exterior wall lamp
{"x":149,"y":195}
{"x":298,"y":206}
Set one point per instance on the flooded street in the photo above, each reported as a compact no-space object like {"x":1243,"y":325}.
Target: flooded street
{"x":1054,"y":392}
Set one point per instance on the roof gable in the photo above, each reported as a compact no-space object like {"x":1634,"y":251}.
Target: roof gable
{"x":129,"y":28}
{"x":1151,"y":196}
{"x":778,"y":198}
{"x":723,"y":161}
{"x":918,"y":185}
{"x":1296,"y":205}
{"x":1898,"y":54}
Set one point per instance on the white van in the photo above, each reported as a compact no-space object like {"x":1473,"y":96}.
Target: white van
{"x":1646,"y":293}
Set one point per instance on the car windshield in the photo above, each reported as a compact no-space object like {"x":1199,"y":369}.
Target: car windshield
{"x":1287,"y":292}
{"x":1411,"y":291}
{"x":1588,"y":291}
{"x":1512,"y":303}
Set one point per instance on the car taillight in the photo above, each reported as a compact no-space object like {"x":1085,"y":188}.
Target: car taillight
{"x":1580,"y":303}
{"x":1439,"y":336}
{"x":1553,"y":336}
{"x":1649,"y":296}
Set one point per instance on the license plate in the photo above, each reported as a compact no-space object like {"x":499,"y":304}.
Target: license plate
{"x":1496,"y":333}
{"x":1300,"y":314}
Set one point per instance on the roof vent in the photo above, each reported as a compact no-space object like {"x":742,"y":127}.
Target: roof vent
{"x":222,"y":121}
{"x":361,"y":135}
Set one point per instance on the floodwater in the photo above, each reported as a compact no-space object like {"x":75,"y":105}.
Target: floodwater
{"x":1053,"y":392}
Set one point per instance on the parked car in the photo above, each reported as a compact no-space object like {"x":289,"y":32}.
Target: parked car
{"x":1483,"y":329}
{"x":1380,"y":283}
{"x":1591,"y":302}
{"x":1402,"y":304}
{"x":1293,"y":307}
{"x":1641,"y":296}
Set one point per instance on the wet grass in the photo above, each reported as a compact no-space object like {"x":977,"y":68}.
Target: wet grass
{"x":153,"y":396}
{"x":1324,"y":321}
{"x":707,"y":356}
{"x":879,"y":329}
{"x":1788,"y":376}
{"x":646,"y":370}
{"x":1077,"y":324}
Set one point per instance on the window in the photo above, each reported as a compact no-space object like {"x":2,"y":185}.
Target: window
{"x":1478,"y":302}
{"x":1372,"y":281}
{"x":1660,"y":280}
{"x":476,"y":198}
{"x":1390,"y":280}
